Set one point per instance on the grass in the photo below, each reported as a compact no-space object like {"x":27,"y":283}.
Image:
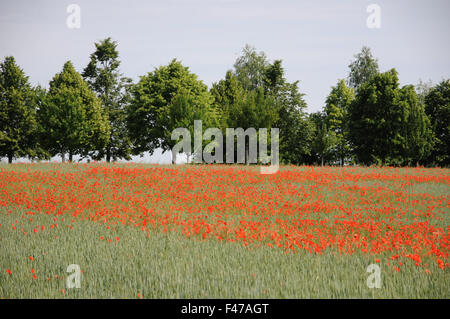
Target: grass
{"x":130,"y":262}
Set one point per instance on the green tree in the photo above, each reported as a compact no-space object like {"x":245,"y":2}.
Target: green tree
{"x":18,"y":124}
{"x":103,"y":75}
{"x":323,"y":139}
{"x":422,"y":90}
{"x":240,"y":108}
{"x":416,"y":128}
{"x":254,"y":72}
{"x":387,"y":123}
{"x":274,"y":77}
{"x":437,"y":107}
{"x":227,"y":94}
{"x":72,"y":116}
{"x":250,"y":68}
{"x":152,"y":100}
{"x":39,"y":100}
{"x":295,"y":129}
{"x":256,"y":110}
{"x":181,"y":112}
{"x":363,"y":68}
{"x":336,"y":110}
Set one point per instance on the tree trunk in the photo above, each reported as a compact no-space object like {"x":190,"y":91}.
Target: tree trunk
{"x":10,"y":158}
{"x":108,"y":155}
{"x":174,"y":157}
{"x":63,"y":157}
{"x":70,"y":156}
{"x":188,"y":157}
{"x":322,"y":160}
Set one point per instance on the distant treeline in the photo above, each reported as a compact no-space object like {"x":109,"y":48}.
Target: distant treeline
{"x":367,"y":118}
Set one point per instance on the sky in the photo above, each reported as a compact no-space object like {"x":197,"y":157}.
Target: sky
{"x":315,"y":39}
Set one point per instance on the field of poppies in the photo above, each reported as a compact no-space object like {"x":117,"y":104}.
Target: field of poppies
{"x":223,"y":231}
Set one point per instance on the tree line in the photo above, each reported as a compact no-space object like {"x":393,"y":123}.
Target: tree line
{"x":99,"y":114}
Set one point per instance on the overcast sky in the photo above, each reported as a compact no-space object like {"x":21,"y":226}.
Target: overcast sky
{"x":315,"y":39}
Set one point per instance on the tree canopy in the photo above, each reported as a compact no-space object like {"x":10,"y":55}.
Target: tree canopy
{"x":437,"y":107}
{"x":156,"y":96}
{"x":387,"y":125}
{"x":104,"y":78}
{"x":367,"y":119}
{"x":363,"y":68}
{"x":336,"y":118}
{"x":72,"y":116}
{"x":18,"y":125}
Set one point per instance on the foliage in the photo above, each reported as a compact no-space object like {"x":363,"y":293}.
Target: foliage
{"x":387,"y":124}
{"x":368,"y":119}
{"x":72,"y":116}
{"x":18,"y":124}
{"x":437,"y":107}
{"x":323,"y":139}
{"x":250,"y":68}
{"x":102,"y":74}
{"x":336,"y":111}
{"x":295,"y":130}
{"x":153,"y":100}
{"x":362,"y":69}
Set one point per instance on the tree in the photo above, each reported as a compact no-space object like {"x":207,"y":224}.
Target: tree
{"x":39,"y":100}
{"x":227,"y":94}
{"x":242,"y":108}
{"x":250,"y":68}
{"x":152,"y":100}
{"x":422,"y":90}
{"x":256,"y":110}
{"x":295,"y":131}
{"x":181,"y":112}
{"x":72,"y":116}
{"x":102,"y":74}
{"x":437,"y":107}
{"x":323,"y":138}
{"x":387,"y":124}
{"x":18,"y":124}
{"x":274,"y":77}
{"x":336,"y":111}
{"x":253,"y":72}
{"x":363,"y":68}
{"x":416,"y":128}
